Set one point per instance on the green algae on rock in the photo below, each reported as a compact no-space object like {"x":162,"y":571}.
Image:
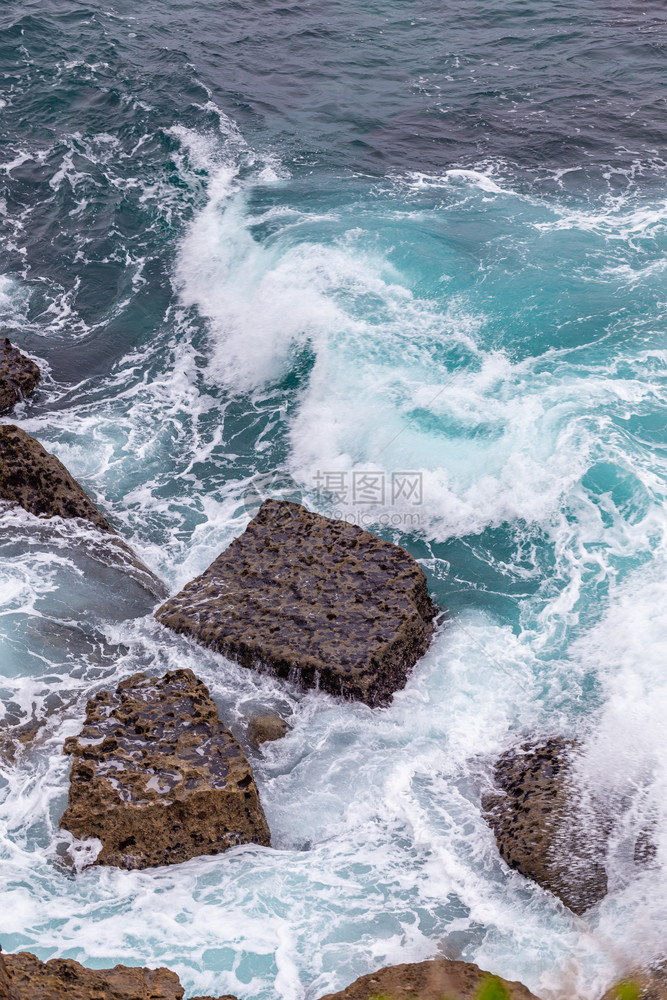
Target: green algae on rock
{"x":643,"y":984}
{"x":432,"y":980}
{"x":18,"y":375}
{"x":24,"y":977}
{"x":39,"y":482}
{"x":158,"y":778}
{"x":313,"y":599}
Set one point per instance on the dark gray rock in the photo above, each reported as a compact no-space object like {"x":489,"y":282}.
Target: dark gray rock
{"x":542,"y":826}
{"x":38,"y":482}
{"x":158,"y":778}
{"x":18,"y":375}
{"x":32,"y":478}
{"x":313,"y":599}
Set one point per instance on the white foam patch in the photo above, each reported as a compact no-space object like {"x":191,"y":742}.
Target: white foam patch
{"x":14,"y":298}
{"x":471,"y":178}
{"x":247,"y":293}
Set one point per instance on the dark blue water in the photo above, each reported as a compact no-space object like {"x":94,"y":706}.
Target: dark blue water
{"x":356,"y":247}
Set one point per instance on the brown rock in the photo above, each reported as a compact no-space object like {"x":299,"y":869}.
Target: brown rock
{"x":646,"y":984}
{"x":13,"y":739}
{"x":434,"y":980}
{"x":313,"y":599}
{"x":266,"y":728}
{"x":18,"y":375}
{"x":158,"y":778}
{"x":38,"y":482}
{"x":64,"y":979}
{"x":24,"y":977}
{"x":540,"y":828}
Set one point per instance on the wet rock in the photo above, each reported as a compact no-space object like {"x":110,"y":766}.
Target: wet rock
{"x":24,"y":977}
{"x":542,"y":827}
{"x":14,"y":739}
{"x":158,"y":778}
{"x":647,"y":984}
{"x":18,"y":375}
{"x":432,"y":980}
{"x":266,"y":728}
{"x":38,"y":482}
{"x":316,"y":600}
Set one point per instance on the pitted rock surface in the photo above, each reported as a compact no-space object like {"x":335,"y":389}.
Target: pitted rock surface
{"x":64,"y":979}
{"x":38,"y":482}
{"x":24,"y":977}
{"x":439,"y":979}
{"x":158,"y":778}
{"x":317,"y":600}
{"x":541,"y":828}
{"x":18,"y":375}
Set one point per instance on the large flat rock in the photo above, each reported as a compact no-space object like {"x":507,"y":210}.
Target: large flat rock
{"x":24,"y":977}
{"x":18,"y":375}
{"x":542,"y":827}
{"x":438,"y":979}
{"x":158,"y":778}
{"x":313,"y":599}
{"x":38,"y":482}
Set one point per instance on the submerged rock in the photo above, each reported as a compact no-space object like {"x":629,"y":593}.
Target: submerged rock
{"x":18,"y":375}
{"x":38,"y":482}
{"x":266,"y":728}
{"x":158,"y":778}
{"x":542,"y":827}
{"x":14,"y":739}
{"x":433,"y":980}
{"x":24,"y":977}
{"x":313,"y":599}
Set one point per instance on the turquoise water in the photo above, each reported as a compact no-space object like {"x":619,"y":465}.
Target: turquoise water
{"x":346,"y":247}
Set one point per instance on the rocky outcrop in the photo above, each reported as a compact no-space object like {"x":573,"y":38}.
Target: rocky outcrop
{"x":313,"y":599}
{"x":38,"y":482}
{"x":541,"y":827}
{"x":266,"y":728}
{"x":434,"y":980}
{"x":18,"y":375}
{"x":158,"y":778}
{"x":648,"y":984}
{"x":24,"y":977}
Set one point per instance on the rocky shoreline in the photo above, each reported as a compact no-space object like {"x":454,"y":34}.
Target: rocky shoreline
{"x":158,"y":778}
{"x":24,"y":977}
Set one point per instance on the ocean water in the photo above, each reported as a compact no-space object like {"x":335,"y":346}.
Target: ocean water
{"x":407,"y":261}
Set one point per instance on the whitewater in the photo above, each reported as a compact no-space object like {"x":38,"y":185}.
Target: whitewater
{"x":279,"y":251}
